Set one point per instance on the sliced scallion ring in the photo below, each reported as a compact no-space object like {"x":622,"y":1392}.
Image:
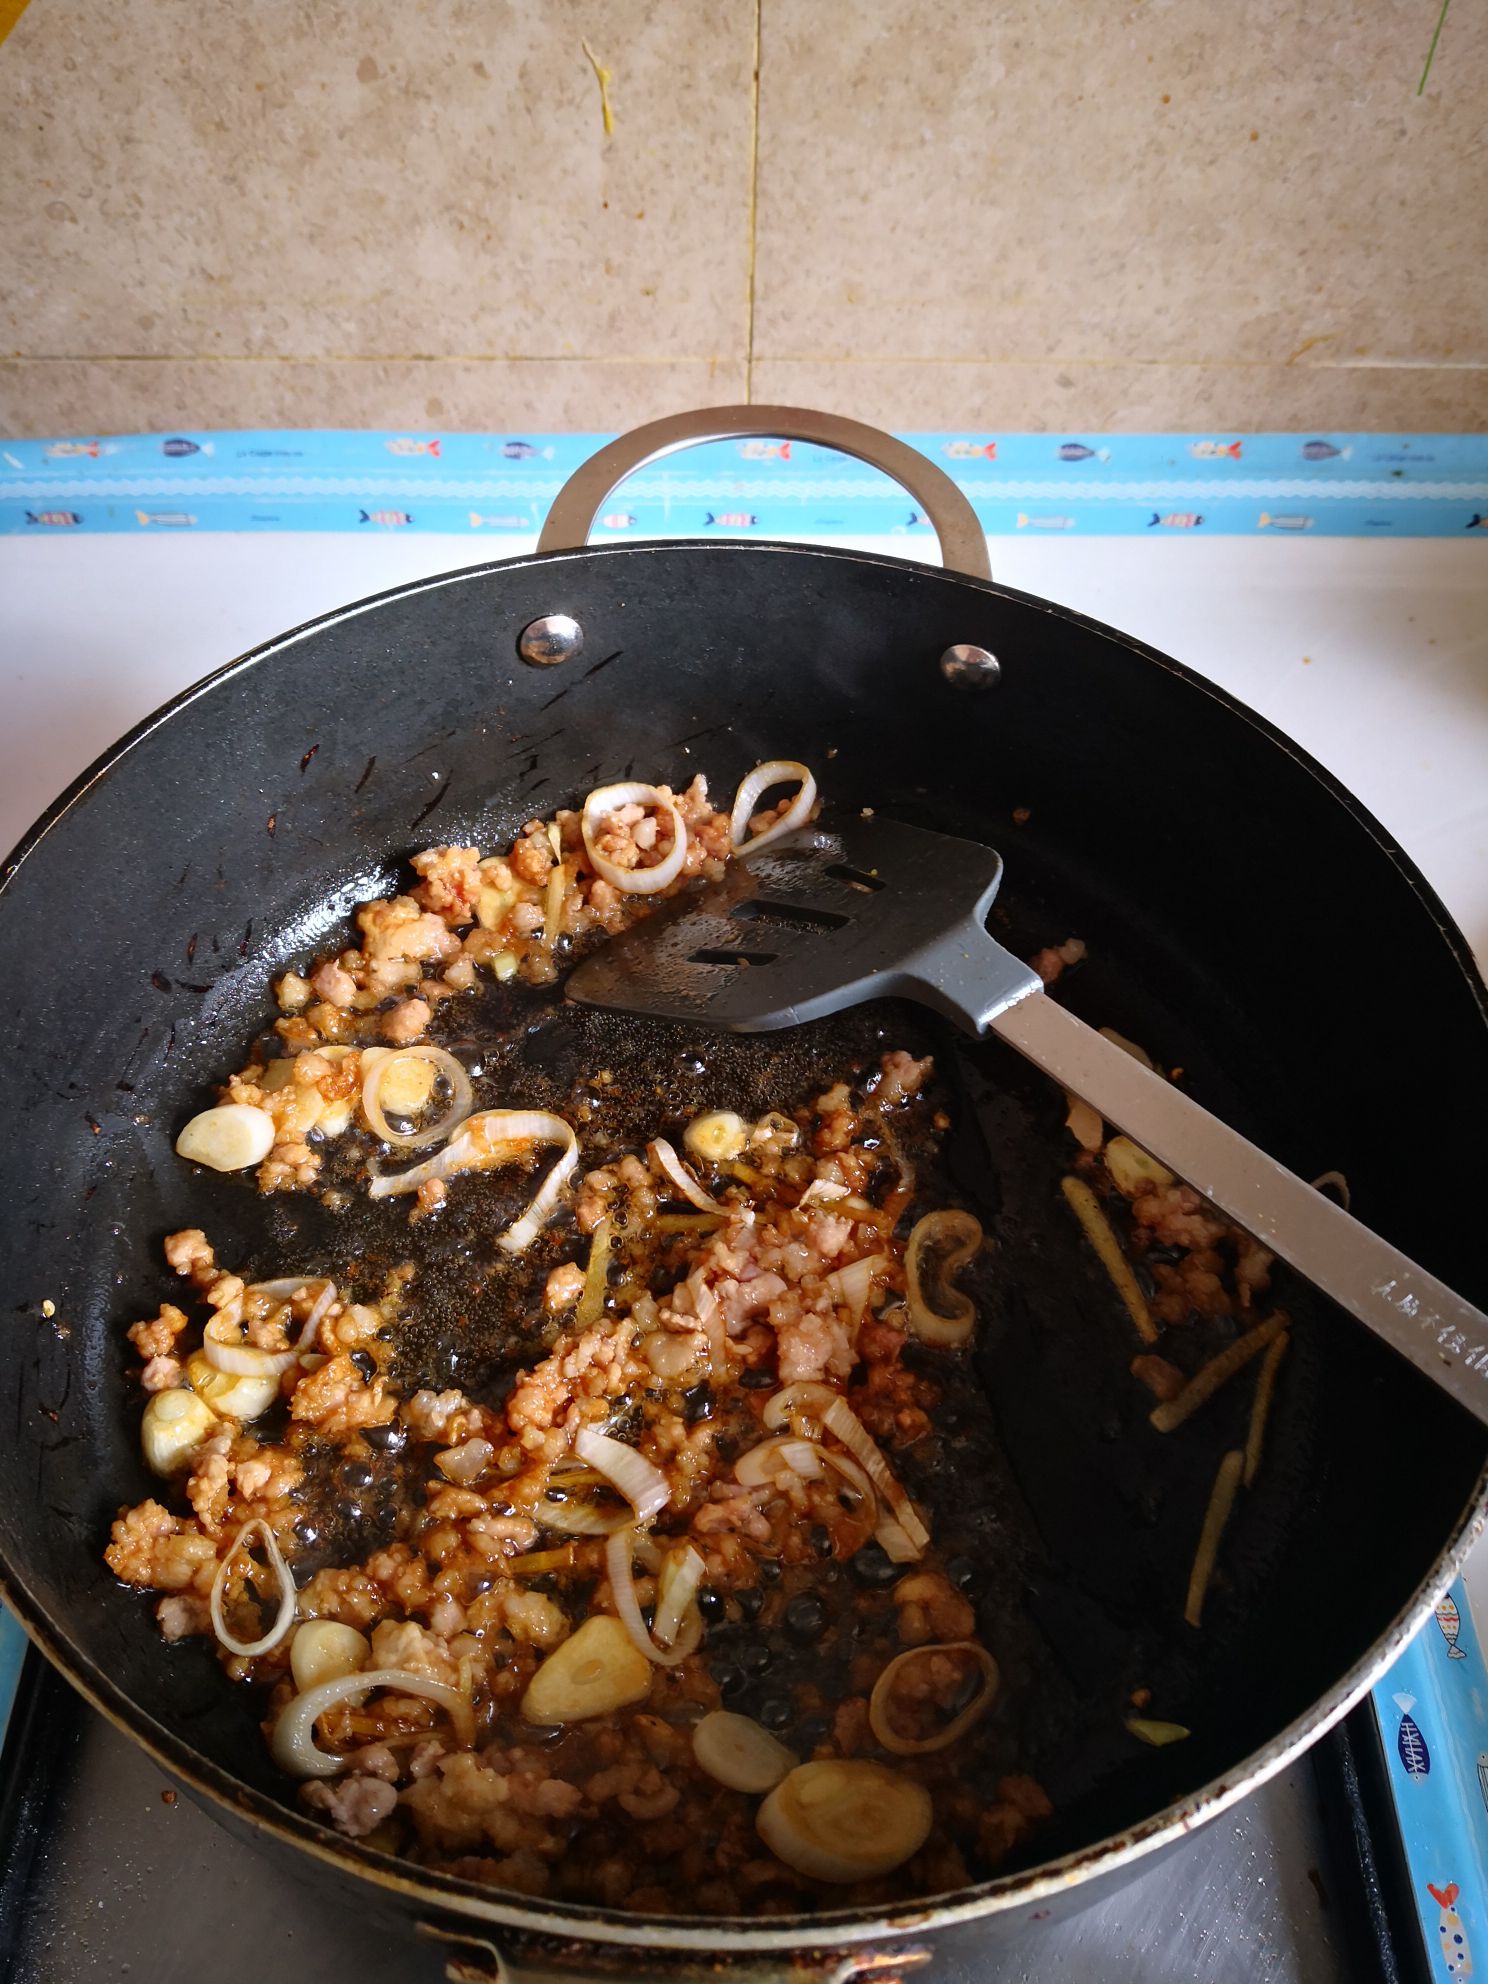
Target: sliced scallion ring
{"x":619,"y":1566}
{"x":677,"y":1173}
{"x":642,"y":1485}
{"x":293,"y":1743}
{"x":608,"y":799}
{"x":283,"y":1618}
{"x":491,"y":1138}
{"x":777,"y":771}
{"x":462,"y":1096}
{"x":956,"y":1236}
{"x":880,"y":1702}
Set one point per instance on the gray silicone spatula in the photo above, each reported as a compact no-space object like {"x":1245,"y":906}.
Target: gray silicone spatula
{"x":814,"y":922}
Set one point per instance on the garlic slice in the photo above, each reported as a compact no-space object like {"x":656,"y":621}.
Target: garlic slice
{"x":230,"y":1396}
{"x":174,"y":1425}
{"x":595,"y":1670}
{"x":231,"y":1137}
{"x":325,"y":1650}
{"x":739,"y":1752}
{"x":845,"y":1819}
{"x":716,"y":1135}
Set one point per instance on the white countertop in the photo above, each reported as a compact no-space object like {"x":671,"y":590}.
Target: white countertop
{"x":1373,"y":655}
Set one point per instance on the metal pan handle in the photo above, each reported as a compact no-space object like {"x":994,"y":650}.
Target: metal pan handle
{"x":963,"y":544}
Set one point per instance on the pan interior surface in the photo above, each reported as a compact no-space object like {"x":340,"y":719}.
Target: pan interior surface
{"x":1243,"y":921}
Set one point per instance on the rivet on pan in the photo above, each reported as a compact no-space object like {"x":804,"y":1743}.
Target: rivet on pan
{"x":967,"y":667}
{"x":553,"y":638}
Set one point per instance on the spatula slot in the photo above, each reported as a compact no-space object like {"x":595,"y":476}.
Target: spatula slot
{"x":860,"y":878}
{"x":733,"y":957}
{"x":797,"y":915}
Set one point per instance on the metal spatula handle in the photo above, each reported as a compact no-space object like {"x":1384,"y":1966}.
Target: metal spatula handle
{"x":974,"y":980}
{"x":1427,"y":1322}
{"x":816,"y":921}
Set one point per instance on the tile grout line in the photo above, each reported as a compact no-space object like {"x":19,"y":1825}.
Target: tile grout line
{"x":750,"y":248}
{"x":707,"y":358}
{"x":358,"y":358}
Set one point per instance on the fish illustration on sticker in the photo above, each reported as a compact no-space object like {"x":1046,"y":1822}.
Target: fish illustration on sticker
{"x":765,"y":451}
{"x":58,"y":518}
{"x":1045,"y":523}
{"x":732,"y":519}
{"x":406,"y":445}
{"x":389,"y":517}
{"x":1076,"y":451}
{"x":178,"y":445}
{"x":1415,"y":1758}
{"x":1215,"y":451}
{"x":618,"y":520}
{"x":972,"y":451}
{"x":1265,"y":521}
{"x":66,"y":451}
{"x":524,"y":451}
{"x":171,"y":519}
{"x":1450,"y":1620}
{"x":1177,"y":520}
{"x":1324,"y":451}
{"x":1477,"y":521}
{"x":1450,"y":1933}
{"x":498,"y":523}
{"x":914,"y":518}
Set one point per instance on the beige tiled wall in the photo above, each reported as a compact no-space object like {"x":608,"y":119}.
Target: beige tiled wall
{"x":995,"y":213}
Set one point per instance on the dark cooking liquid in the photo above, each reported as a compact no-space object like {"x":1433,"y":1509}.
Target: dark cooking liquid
{"x":783,"y":1652}
{"x":1076,"y":1571}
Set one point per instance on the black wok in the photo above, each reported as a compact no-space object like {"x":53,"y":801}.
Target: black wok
{"x":1246,"y":918}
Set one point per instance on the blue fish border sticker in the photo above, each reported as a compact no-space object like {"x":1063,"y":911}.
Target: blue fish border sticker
{"x":1431,"y":1713}
{"x":1267,"y":484}
{"x":1415,"y":1758}
{"x":1448,"y":1617}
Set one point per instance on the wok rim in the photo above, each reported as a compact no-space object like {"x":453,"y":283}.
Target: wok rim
{"x":702,"y":1934}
